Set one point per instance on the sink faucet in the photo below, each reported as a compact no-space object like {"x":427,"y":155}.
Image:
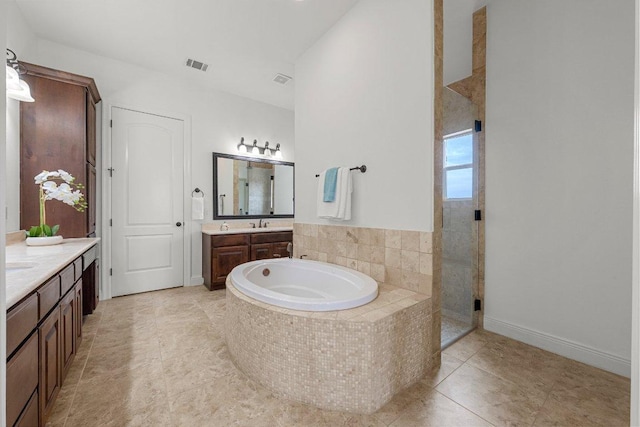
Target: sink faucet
{"x":262,"y":224}
{"x":290,"y":249}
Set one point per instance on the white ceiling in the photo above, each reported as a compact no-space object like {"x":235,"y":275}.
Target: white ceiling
{"x":245,"y":42}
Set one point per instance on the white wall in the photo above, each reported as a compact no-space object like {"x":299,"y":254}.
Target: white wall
{"x":22,"y":41}
{"x":3,"y":229}
{"x":218,"y":119}
{"x":364,"y":95}
{"x":559,"y":164}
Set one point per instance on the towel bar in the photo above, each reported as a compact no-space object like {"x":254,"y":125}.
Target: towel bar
{"x":362,"y":169}
{"x":197,"y":190}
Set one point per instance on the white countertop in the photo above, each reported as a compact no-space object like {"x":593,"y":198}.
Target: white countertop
{"x":213,"y":232}
{"x":30,"y":266}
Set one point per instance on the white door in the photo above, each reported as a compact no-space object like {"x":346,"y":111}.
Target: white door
{"x":146,"y":202}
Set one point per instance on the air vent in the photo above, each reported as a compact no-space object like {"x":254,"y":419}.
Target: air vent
{"x":282,"y":79}
{"x":197,"y":64}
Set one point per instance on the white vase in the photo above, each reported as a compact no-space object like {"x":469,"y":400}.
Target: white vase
{"x":44,"y":241}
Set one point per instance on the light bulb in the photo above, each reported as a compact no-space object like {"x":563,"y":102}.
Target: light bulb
{"x":255,"y":150}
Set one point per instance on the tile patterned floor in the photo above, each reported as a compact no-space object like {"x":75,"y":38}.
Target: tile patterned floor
{"x":452,"y":329}
{"x":159,"y":359}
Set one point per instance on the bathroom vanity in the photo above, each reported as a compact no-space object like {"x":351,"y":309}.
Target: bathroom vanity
{"x":223,"y":250}
{"x":46,"y":287}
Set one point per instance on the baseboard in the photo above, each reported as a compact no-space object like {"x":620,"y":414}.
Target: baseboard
{"x":195,"y":281}
{"x":563,"y":347}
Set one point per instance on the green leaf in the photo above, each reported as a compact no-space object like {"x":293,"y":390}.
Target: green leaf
{"x":54,"y":229}
{"x":46,"y":229}
{"x":34,"y":231}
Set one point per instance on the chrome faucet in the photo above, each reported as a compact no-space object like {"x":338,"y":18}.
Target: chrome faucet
{"x":262,"y":224}
{"x":290,"y":249}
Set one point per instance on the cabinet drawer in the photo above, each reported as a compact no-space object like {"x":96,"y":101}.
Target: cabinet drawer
{"x":89,"y":256}
{"x":21,"y":320}
{"x":22,"y":378}
{"x":29,"y":417}
{"x":286,"y":236}
{"x":67,"y":279}
{"x":77,"y":267}
{"x":48,"y":296}
{"x":230,"y":240}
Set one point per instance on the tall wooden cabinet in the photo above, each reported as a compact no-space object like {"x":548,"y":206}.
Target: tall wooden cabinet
{"x":58,"y":131}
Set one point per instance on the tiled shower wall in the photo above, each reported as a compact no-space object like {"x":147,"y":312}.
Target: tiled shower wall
{"x":394,"y":257}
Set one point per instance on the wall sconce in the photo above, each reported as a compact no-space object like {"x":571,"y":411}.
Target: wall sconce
{"x":257,"y":150}
{"x":16,"y":87}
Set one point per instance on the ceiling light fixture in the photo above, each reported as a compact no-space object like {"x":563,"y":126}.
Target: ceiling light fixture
{"x":16,"y":87}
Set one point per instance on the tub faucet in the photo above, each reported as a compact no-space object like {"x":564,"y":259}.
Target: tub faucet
{"x":290,"y":249}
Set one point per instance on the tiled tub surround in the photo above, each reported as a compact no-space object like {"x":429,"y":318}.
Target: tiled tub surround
{"x":350,"y":360}
{"x":395,"y":257}
{"x":401,"y":258}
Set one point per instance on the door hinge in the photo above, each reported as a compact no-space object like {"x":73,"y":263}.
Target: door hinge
{"x":477,"y":215}
{"x":477,"y":126}
{"x":111,"y":172}
{"x":111,"y":223}
{"x":477,"y":305}
{"x":111,"y":272}
{"x":110,"y":123}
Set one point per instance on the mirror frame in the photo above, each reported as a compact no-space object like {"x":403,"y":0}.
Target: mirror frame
{"x":216,"y":156}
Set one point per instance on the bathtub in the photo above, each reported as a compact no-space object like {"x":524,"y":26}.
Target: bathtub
{"x":304,"y":285}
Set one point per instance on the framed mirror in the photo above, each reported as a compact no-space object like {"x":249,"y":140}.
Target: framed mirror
{"x":252,"y":187}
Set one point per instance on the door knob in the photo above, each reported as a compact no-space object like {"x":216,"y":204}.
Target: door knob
{"x":178,"y":224}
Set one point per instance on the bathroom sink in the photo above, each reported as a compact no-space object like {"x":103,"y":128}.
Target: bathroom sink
{"x":18,"y":266}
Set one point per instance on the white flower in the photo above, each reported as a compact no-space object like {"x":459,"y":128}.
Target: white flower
{"x":66,"y":176}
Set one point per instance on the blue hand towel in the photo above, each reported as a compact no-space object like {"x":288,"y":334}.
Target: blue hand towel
{"x":330,"y":180}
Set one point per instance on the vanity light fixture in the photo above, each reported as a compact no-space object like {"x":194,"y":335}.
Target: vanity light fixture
{"x":241,"y":147}
{"x":265,"y":151}
{"x":16,"y":87}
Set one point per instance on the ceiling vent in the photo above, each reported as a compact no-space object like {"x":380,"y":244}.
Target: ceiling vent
{"x":282,"y":79}
{"x":197,"y":64}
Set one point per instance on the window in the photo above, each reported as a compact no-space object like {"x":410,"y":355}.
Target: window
{"x":458,"y":165}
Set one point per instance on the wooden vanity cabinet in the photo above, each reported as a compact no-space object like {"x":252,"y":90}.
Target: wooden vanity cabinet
{"x":44,"y":331}
{"x":222,"y":253}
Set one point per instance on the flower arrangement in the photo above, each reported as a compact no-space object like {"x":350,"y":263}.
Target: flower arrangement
{"x":56,"y":185}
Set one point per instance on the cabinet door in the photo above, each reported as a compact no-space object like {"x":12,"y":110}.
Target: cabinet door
{"x":90,"y":194}
{"x":225,"y":259}
{"x":78,"y":312}
{"x":50,"y":365}
{"x":29,"y":417}
{"x":280,"y":249}
{"x":91,"y":129}
{"x":22,"y":378}
{"x":261,"y":251}
{"x":67,"y":333}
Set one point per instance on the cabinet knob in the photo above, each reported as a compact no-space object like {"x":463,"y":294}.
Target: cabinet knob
{"x":178,"y":224}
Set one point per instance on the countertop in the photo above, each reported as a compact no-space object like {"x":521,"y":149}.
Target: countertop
{"x":214,"y":232}
{"x":30,"y":266}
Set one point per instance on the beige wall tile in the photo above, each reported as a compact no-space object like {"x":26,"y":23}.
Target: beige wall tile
{"x":377,"y":237}
{"x":364,"y":236}
{"x":393,"y":258}
{"x":410,"y":240}
{"x":364,"y":267}
{"x":426,"y":263}
{"x":364,"y":252}
{"x":378,"y":272}
{"x":410,"y":260}
{"x":377,"y":254}
{"x":426,"y":242}
{"x":393,"y":239}
{"x":352,"y":250}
